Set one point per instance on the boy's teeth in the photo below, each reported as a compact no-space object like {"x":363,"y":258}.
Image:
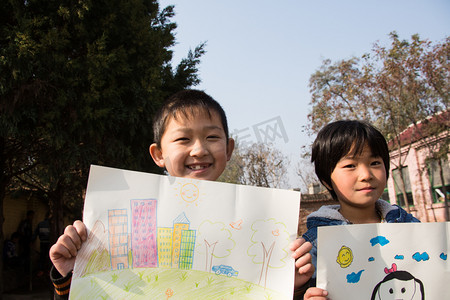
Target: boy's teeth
{"x":197,"y":167}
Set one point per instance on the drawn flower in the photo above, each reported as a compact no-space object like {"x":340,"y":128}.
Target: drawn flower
{"x":169,"y":293}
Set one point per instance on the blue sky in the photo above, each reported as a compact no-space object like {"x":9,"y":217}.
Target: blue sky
{"x":260,"y":54}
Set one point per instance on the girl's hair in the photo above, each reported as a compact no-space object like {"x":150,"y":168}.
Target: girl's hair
{"x":337,"y":139}
{"x":186,"y":103}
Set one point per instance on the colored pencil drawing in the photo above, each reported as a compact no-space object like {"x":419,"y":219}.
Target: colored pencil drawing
{"x":206,"y":240}
{"x":398,"y":285}
{"x":383,"y":261}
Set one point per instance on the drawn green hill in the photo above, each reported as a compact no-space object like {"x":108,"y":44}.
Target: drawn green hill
{"x":156,"y":283}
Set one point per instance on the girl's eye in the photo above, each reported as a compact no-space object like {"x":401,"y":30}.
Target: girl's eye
{"x":349,"y":166}
{"x":376,"y":163}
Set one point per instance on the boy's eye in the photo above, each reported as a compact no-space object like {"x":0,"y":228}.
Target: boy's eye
{"x":376,"y":163}
{"x":181,"y":139}
{"x":349,"y":166}
{"x":213,"y":137}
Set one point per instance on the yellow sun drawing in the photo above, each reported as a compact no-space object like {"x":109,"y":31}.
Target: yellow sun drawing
{"x":345,"y":257}
{"x":188,"y":192}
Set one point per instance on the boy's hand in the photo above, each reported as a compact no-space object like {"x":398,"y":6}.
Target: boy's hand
{"x":304,"y":269}
{"x":315,"y":293}
{"x":63,"y":253}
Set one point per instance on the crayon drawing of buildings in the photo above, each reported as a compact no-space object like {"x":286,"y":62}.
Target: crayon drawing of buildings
{"x":176,"y":245}
{"x":118,"y":238}
{"x":165,"y":247}
{"x":151,"y":246}
{"x":187,"y":249}
{"x":143,"y":231}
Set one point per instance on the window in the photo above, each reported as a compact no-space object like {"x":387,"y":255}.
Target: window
{"x":437,"y":188}
{"x":398,"y":184}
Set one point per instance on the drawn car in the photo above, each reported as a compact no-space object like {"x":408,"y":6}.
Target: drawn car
{"x":226,"y":270}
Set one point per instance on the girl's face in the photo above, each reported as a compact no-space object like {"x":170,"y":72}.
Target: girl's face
{"x":359,"y":180}
{"x":399,"y":289}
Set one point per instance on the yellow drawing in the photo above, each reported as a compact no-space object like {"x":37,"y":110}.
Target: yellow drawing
{"x":189,"y":192}
{"x":345,"y":257}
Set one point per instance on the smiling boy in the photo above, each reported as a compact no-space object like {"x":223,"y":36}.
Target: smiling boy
{"x":191,"y":137}
{"x":191,"y":140}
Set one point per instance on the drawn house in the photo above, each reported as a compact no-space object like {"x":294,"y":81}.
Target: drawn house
{"x":143,"y":230}
{"x":165,"y":236}
{"x":118,"y":238}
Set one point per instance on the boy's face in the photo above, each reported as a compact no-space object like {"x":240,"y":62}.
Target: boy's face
{"x":194,"y":147}
{"x":359,"y":181}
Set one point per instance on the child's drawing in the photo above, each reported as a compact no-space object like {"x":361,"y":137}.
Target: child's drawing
{"x":384,"y":261}
{"x":207,"y":240}
{"x":345,"y":257}
{"x":398,"y":285}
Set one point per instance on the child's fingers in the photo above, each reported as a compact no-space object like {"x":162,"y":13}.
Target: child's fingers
{"x":315,"y":293}
{"x":81,"y":230}
{"x":297,"y":243}
{"x":305,"y":267}
{"x":71,"y":242}
{"x":303,"y":249}
{"x":71,"y":239}
{"x":58,"y":251}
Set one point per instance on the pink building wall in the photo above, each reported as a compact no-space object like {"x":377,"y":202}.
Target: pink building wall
{"x":415,"y":159}
{"x":144,"y":233}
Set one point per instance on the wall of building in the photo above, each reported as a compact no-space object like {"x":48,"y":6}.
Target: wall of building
{"x":414,"y":157}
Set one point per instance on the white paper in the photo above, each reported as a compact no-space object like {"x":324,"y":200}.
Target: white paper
{"x":384,"y":261}
{"x":234,"y":239}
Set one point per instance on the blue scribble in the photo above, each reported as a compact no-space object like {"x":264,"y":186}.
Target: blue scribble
{"x":418,"y":257}
{"x":443,"y":256}
{"x":379,"y":240}
{"x":371,"y":259}
{"x":399,"y":257}
{"x":354,"y":277}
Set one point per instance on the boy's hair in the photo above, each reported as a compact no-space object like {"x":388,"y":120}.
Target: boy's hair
{"x":337,"y":139}
{"x":186,"y":103}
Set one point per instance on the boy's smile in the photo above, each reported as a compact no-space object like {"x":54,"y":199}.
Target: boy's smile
{"x":359,"y":180}
{"x":194,"y":147}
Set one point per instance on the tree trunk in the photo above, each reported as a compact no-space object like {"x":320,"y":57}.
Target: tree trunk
{"x":3,"y":184}
{"x":265,"y":262}
{"x":209,"y":256}
{"x":4,"y":180}
{"x":56,"y":204}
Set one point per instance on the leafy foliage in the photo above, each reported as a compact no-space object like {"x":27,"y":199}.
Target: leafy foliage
{"x":390,"y":87}
{"x":82,"y":82}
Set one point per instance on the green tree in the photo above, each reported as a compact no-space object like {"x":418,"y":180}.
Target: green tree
{"x":390,"y":87}
{"x":80,"y":83}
